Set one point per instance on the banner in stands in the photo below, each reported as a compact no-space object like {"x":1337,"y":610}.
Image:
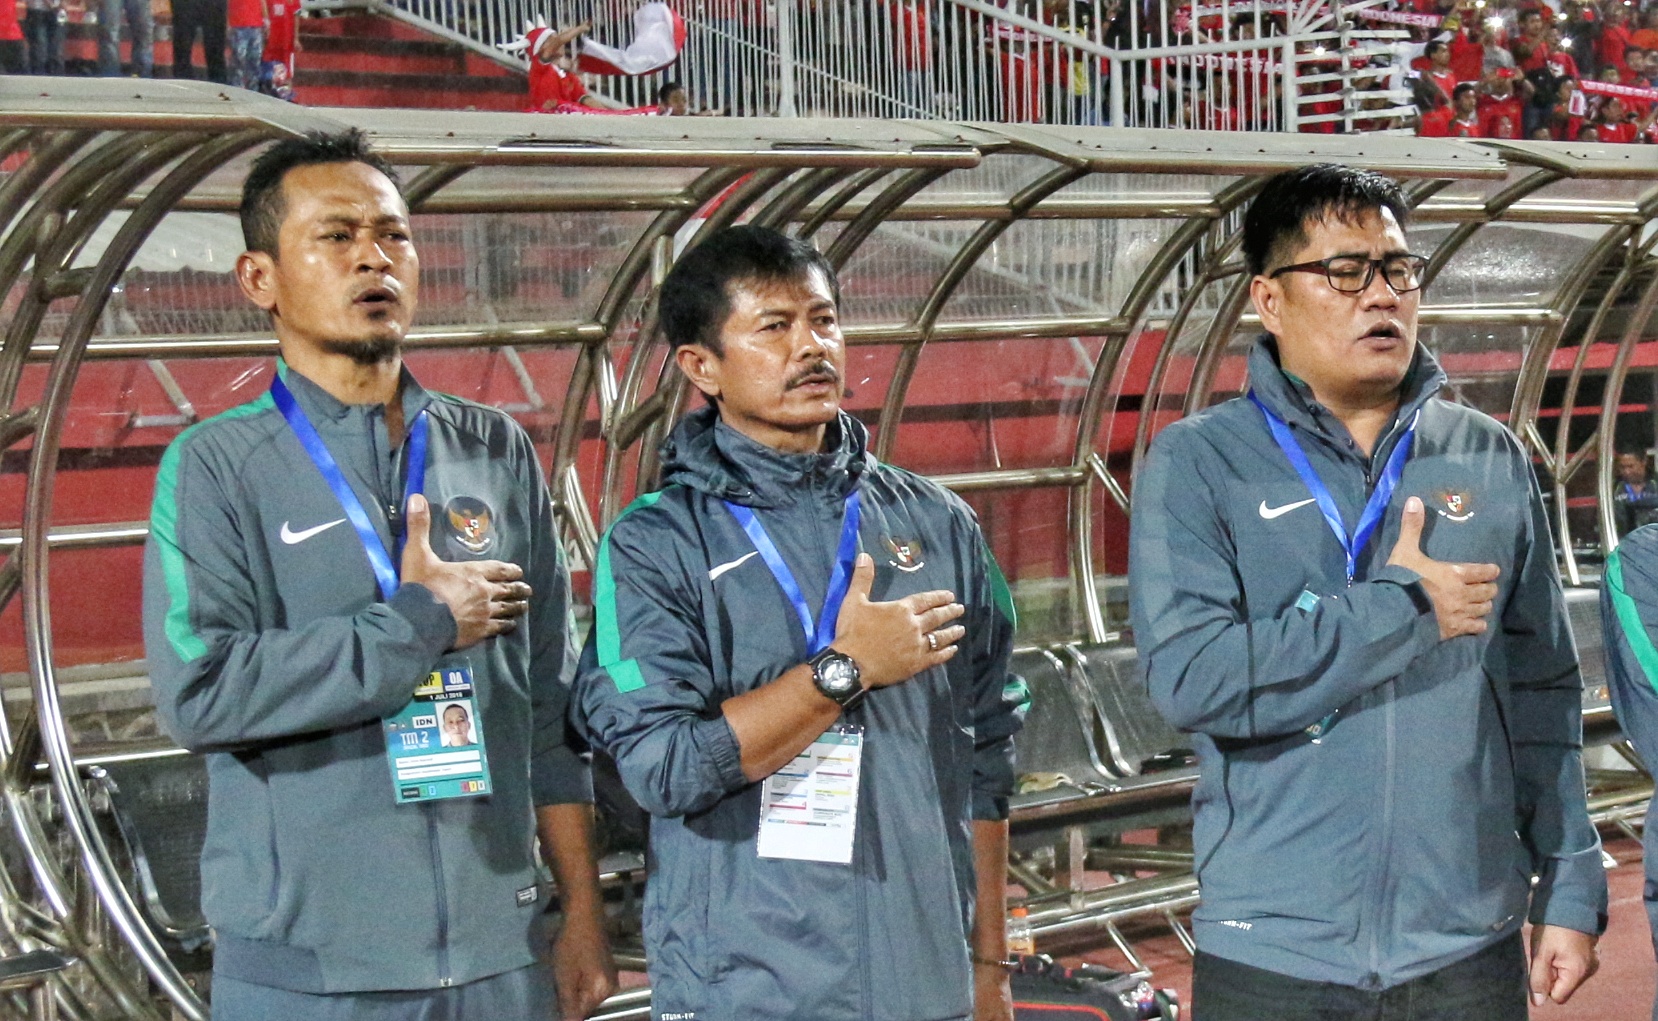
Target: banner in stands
{"x":658,"y":38}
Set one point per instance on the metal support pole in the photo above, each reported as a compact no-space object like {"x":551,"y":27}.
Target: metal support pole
{"x":1119,"y":115}
{"x":786,"y":60}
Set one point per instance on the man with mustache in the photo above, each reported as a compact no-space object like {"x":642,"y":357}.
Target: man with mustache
{"x":1344,"y":587}
{"x":306,"y":617}
{"x":799,"y":661}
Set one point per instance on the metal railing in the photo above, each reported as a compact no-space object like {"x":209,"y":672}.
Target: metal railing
{"x":1267,"y":65}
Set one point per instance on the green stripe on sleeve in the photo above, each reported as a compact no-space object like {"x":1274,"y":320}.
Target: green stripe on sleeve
{"x":1629,"y":618}
{"x":1018,"y":692}
{"x":998,"y":585}
{"x":608,"y":634}
{"x":187,"y":645}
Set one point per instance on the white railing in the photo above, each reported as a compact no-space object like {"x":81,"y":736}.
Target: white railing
{"x":1270,"y":65}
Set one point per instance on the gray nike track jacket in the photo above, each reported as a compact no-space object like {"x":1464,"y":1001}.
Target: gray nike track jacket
{"x":1405,"y":836}
{"x":271,"y":650}
{"x":685,"y":617}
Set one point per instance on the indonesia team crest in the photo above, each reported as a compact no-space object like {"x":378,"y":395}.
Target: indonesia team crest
{"x":906,"y":555}
{"x":471,"y":524}
{"x":1458,"y":505}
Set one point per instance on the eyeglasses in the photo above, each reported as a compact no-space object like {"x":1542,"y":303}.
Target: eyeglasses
{"x":1351,"y":274}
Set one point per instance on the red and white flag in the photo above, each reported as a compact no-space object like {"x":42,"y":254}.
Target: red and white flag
{"x":658,"y":37}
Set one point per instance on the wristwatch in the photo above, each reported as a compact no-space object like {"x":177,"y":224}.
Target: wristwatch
{"x":836,"y":675}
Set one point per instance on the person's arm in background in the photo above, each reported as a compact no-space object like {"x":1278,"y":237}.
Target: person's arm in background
{"x":1001,"y":701}
{"x":1569,"y":899}
{"x":560,"y":780}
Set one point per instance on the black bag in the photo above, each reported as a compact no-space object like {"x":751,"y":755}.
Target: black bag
{"x":1046,"y":991}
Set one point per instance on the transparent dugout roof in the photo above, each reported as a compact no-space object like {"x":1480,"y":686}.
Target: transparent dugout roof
{"x":1025,"y":305}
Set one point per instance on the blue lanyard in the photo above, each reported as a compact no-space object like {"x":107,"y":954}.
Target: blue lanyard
{"x":1374,"y":509}
{"x":819,"y":635}
{"x":385,"y":572}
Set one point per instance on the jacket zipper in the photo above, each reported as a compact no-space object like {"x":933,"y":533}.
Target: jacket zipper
{"x":442,"y":895}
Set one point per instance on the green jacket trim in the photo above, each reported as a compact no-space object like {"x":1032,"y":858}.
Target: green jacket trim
{"x":187,"y":645}
{"x":607,"y":633}
{"x":1629,"y":618}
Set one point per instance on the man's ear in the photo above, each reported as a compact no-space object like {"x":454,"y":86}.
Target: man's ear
{"x":701,"y":366}
{"x":256,"y":275}
{"x":1268,"y":297}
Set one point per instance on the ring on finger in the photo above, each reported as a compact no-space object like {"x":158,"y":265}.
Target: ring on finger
{"x":932,"y":641}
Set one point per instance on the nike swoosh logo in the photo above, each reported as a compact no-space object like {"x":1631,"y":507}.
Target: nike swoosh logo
{"x":1268,"y":513}
{"x":716,"y":572}
{"x":292,"y":537}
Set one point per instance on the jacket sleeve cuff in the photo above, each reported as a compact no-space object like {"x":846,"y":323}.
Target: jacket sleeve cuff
{"x":1567,"y":914}
{"x":428,"y":615}
{"x":719,"y":742}
{"x":1410,"y":582}
{"x":1572,"y":893}
{"x":559,"y":776}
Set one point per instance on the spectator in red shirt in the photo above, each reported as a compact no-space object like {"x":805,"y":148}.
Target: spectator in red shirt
{"x":1439,"y":67}
{"x":553,"y":79}
{"x":1565,"y":115}
{"x":11,"y":40}
{"x":1646,"y":37}
{"x":1531,"y":46}
{"x":1559,"y":63}
{"x":282,"y":35}
{"x":1615,"y":124}
{"x":1465,"y":119}
{"x":1433,"y":113}
{"x":1467,"y":51}
{"x":247,"y":20}
{"x":1501,"y":103}
{"x":1614,"y":40}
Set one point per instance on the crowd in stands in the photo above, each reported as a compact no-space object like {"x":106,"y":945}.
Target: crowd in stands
{"x":246,"y":43}
{"x":1584,"y":70}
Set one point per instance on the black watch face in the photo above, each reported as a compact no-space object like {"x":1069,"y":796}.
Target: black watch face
{"x":837,"y":675}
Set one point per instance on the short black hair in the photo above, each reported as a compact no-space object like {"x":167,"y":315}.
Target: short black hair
{"x":667,"y":89}
{"x":1466,"y":88}
{"x":1433,"y":47}
{"x":695,"y":299}
{"x":1276,"y":223}
{"x":263,"y":205}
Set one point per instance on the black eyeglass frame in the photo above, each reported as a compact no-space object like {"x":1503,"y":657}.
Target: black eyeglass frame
{"x":1371,"y":265}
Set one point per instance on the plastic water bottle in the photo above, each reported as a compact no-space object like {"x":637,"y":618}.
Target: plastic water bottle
{"x":1021,"y":941}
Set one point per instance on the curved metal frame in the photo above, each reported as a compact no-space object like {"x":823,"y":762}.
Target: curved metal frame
{"x":74,"y":177}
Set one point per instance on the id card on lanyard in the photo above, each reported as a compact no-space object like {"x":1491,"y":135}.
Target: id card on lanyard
{"x":1375,"y":508}
{"x":407,"y":725}
{"x":809,"y":808}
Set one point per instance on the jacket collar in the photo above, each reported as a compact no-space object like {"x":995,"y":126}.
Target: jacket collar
{"x":321,"y":406}
{"x":1291,"y":399}
{"x":709,"y":456}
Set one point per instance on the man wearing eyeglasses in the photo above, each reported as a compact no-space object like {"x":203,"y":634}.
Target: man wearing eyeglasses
{"x":1345,"y":587}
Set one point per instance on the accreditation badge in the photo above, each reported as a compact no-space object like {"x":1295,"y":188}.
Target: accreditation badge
{"x":809,"y":808}
{"x":435,"y":744}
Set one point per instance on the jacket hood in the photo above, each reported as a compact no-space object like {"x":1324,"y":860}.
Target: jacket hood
{"x":1292,"y":400}
{"x":705,"y":454}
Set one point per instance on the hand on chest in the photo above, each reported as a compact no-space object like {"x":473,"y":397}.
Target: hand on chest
{"x":1470,"y":518}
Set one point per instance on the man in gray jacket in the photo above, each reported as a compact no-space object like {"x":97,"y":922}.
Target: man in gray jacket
{"x":799,"y":663}
{"x":309,"y":620}
{"x":1629,"y":622}
{"x":1346,"y":589}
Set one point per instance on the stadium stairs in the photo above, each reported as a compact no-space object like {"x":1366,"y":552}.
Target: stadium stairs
{"x":357,"y":60}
